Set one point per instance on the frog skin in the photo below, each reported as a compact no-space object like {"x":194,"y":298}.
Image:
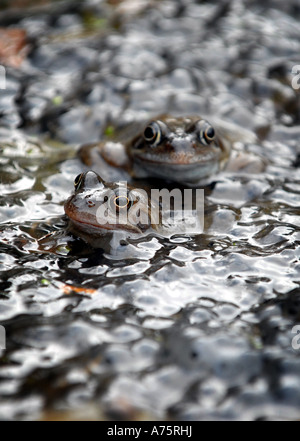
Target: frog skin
{"x":181,"y":149}
{"x":98,"y":207}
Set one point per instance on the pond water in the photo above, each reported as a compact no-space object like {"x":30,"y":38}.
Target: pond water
{"x":190,"y":327}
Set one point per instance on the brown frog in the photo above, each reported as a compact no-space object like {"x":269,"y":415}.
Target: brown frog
{"x":181,"y":149}
{"x":98,"y":207}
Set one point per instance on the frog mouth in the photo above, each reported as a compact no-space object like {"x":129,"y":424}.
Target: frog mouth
{"x":179,"y":171}
{"x":180,"y":159}
{"x":89,"y":223}
{"x":95,"y":228}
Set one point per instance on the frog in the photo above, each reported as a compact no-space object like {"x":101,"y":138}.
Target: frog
{"x":97,"y":207}
{"x":187,"y":150}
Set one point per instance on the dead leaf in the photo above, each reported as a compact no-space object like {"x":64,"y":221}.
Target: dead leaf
{"x":68,"y":289}
{"x":13,"y":46}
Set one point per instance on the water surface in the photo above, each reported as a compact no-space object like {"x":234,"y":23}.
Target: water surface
{"x":186,"y":328}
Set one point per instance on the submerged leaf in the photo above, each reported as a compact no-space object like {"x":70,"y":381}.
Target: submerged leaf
{"x":13,"y":47}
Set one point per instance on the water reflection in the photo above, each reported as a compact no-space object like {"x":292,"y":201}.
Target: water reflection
{"x":188,"y":327}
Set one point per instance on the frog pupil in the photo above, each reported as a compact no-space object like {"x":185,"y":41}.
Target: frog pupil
{"x":121,"y":201}
{"x":77,"y":181}
{"x":150,"y":133}
{"x":210,"y":133}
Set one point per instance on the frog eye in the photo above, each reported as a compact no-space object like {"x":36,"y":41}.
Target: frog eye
{"x":210,"y":134}
{"x":152,"y":133}
{"x":78,"y":180}
{"x":206,"y":132}
{"x":120,"y":201}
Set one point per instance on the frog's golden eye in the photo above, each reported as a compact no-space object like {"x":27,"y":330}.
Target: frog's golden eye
{"x":209,"y":134}
{"x":78,"y":180}
{"x":121,"y":201}
{"x":206,"y":132}
{"x":152,"y":134}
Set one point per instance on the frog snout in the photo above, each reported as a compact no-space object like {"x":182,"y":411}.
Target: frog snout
{"x":180,"y":143}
